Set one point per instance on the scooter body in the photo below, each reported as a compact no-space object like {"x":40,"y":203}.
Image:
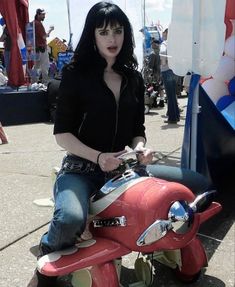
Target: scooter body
{"x":135,"y":212}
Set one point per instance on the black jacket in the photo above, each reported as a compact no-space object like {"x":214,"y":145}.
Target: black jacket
{"x":87,"y":108}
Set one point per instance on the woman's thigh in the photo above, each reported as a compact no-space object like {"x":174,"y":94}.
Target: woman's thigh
{"x":72,"y":192}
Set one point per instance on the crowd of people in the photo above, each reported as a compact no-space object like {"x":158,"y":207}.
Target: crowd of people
{"x":44,"y":66}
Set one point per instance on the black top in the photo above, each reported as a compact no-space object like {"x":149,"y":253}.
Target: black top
{"x":87,"y":108}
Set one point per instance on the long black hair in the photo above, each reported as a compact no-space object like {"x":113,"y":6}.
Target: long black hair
{"x":101,"y":15}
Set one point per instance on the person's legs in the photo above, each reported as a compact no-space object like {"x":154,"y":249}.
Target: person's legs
{"x":71,"y":193}
{"x":196,"y":182}
{"x":3,"y":136}
{"x":170,"y":89}
{"x":36,"y":70}
{"x":45,"y":64}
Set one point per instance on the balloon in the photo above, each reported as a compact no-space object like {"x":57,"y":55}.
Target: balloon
{"x":225,"y":70}
{"x":224,"y":101}
{"x":215,"y":89}
{"x":229,"y":27}
{"x":229,"y":47}
{"x":231,"y":87}
{"x":230,"y":11}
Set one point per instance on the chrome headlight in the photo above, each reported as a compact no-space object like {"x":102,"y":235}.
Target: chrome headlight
{"x":181,"y":216}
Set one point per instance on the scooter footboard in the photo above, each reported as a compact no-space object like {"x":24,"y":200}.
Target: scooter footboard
{"x":67,"y":261}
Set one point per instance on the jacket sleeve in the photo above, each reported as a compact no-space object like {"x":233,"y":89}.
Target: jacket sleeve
{"x":140,"y":116}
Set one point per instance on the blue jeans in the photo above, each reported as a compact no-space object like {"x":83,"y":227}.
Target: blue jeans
{"x":169,"y":81}
{"x":77,"y":181}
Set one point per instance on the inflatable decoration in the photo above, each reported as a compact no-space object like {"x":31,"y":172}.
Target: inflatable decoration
{"x":223,"y":80}
{"x":229,"y":114}
{"x":229,"y":17}
{"x":231,"y":87}
{"x":224,"y":102}
{"x":215,"y":89}
{"x":225,"y":70}
{"x":229,"y":49}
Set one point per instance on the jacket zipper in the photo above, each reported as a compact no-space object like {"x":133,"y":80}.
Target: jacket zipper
{"x":84,"y":117}
{"x":117,"y":109}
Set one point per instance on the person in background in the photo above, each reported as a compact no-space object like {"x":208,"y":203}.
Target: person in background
{"x":6,"y":39}
{"x":154,"y":60}
{"x":42,"y":57}
{"x":3,"y":136}
{"x":169,"y":81}
{"x":100,"y":111}
{"x":52,"y":68}
{"x":154,"y":66}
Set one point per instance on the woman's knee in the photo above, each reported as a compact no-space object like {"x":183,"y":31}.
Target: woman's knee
{"x":74,"y":221}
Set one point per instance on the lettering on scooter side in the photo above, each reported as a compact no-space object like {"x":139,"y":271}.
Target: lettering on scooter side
{"x":110,"y":222}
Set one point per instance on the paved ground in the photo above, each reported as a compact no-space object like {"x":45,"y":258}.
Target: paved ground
{"x":25,"y":172}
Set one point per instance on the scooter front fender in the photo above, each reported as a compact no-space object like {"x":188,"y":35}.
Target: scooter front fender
{"x":61,"y":262}
{"x":193,"y":257}
{"x":104,"y":275}
{"x":212,"y":210}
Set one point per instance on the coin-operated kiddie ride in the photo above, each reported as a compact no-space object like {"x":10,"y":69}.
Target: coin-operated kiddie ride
{"x":136,"y":212}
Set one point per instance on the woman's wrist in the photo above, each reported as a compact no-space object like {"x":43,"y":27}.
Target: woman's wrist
{"x":98,"y":157}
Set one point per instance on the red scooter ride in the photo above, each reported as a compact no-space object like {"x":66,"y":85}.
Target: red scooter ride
{"x":136,"y":212}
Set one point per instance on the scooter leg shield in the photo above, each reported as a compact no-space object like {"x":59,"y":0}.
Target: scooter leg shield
{"x":193,"y":258}
{"x":104,"y":275}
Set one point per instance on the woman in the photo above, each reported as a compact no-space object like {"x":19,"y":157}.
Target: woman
{"x":100,"y":111}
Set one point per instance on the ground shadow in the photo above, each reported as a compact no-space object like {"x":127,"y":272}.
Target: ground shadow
{"x":164,"y":276}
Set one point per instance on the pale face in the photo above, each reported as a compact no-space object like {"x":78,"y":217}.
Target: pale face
{"x":41,"y":17}
{"x":109,"y":41}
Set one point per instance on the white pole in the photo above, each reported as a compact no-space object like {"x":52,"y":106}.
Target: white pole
{"x":195,"y":67}
{"x":144,"y":14}
{"x":70,"y":30}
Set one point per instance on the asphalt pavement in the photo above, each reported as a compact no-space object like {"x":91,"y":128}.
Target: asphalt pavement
{"x":26,"y":163}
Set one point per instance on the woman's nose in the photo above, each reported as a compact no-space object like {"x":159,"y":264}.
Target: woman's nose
{"x":111,"y":38}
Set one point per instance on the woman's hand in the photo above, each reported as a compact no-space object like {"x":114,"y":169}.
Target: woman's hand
{"x":144,"y":155}
{"x":109,"y":161}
